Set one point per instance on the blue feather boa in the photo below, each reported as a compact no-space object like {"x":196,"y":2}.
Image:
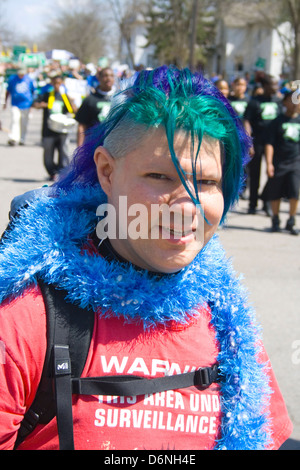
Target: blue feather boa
{"x":46,"y":242}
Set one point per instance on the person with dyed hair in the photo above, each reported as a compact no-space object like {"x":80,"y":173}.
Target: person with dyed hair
{"x":127,"y":236}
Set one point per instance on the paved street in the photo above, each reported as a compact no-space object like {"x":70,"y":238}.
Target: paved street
{"x":269,"y":262}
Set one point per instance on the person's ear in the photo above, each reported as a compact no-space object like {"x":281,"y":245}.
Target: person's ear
{"x":105,"y":165}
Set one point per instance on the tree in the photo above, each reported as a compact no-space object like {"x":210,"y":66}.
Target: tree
{"x":292,"y":8}
{"x":124,"y":14}
{"x":203,"y":20}
{"x":79,"y":30}
{"x":168,"y":27}
{"x":181,"y":30}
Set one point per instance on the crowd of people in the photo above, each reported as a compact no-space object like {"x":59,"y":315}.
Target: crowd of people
{"x":268,"y":108}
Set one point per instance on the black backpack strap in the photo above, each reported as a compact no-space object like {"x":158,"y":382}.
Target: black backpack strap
{"x":76,"y":334}
{"x":134,"y":385}
{"x":63,"y":396}
{"x":118,"y":385}
{"x":124,"y":385}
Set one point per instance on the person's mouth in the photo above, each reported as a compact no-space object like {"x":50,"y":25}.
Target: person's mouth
{"x":177,"y":235}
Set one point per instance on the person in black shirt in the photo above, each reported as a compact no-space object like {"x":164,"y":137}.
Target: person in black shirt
{"x":260,"y":111}
{"x":283,"y":162}
{"x":96,"y":106}
{"x":239,"y":101}
{"x":238,"y":98}
{"x":54,"y":102}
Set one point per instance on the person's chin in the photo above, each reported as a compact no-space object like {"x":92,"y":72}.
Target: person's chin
{"x":170,"y":262}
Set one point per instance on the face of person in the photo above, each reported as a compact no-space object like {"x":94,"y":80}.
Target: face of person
{"x":107,"y":79}
{"x":147,"y":177}
{"x":291,"y":107}
{"x":223,"y":87}
{"x":239,"y":87}
{"x":57,"y":82}
{"x":271,"y":88}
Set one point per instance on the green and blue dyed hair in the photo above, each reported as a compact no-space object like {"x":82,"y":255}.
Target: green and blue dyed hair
{"x":175,"y":100}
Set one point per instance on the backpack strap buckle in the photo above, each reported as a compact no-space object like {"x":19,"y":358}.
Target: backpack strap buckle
{"x":205,"y":376}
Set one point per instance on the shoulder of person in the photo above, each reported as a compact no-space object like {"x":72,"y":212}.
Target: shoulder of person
{"x":88,"y":100}
{"x":23,"y":332}
{"x":23,"y":337}
{"x":23,"y":314}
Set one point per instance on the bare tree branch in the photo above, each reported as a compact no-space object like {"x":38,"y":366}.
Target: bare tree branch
{"x":80,"y":31}
{"x":124,"y":16}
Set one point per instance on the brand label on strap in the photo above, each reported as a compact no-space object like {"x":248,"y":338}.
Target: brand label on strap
{"x":62,"y":367}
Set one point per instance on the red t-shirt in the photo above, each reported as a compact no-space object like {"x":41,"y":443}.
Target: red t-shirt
{"x":177,"y":419}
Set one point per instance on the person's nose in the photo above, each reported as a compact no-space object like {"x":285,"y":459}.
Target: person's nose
{"x":182,"y":206}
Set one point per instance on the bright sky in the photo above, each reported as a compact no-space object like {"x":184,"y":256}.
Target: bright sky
{"x":27,"y":16}
{"x":31,"y":16}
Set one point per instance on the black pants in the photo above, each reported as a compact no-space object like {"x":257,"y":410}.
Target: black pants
{"x":50,"y":144}
{"x":254,"y":167}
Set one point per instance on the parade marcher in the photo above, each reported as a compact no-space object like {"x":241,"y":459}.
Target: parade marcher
{"x":239,"y":101}
{"x":283,"y":162}
{"x":175,"y":359}
{"x":56,"y":125}
{"x":261,"y":110}
{"x":238,"y":98}
{"x":21,"y":89}
{"x":96,"y":106}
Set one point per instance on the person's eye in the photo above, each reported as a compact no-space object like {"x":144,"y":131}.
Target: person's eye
{"x":203,"y":182}
{"x":157,"y":176}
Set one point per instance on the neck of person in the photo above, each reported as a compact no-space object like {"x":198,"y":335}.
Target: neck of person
{"x":106,"y":250}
